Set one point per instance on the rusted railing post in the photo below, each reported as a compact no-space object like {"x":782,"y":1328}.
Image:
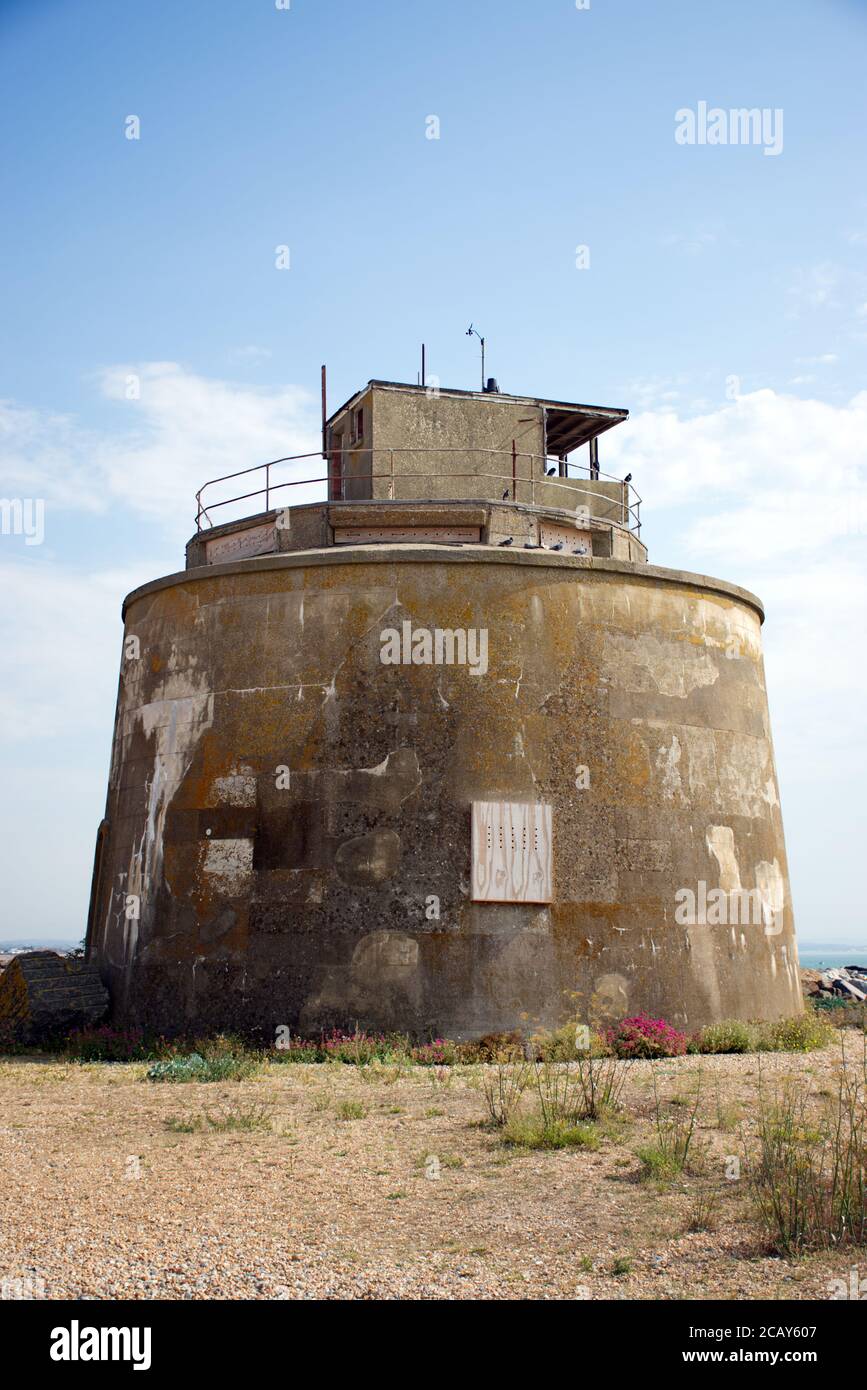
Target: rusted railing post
{"x":514,"y":469}
{"x":391,"y":481}
{"x":267,"y":487}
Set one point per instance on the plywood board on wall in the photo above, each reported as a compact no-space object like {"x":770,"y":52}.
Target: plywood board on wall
{"x":242,"y":545}
{"x":570,"y":537}
{"x":512,"y":859}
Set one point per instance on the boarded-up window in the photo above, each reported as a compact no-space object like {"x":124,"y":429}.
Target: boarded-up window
{"x":511,"y":852}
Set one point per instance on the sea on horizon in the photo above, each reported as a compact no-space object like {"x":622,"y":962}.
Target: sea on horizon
{"x":830,"y":957}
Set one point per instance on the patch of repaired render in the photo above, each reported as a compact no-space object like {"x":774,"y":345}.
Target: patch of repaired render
{"x":229,"y":865}
{"x":237,"y":789}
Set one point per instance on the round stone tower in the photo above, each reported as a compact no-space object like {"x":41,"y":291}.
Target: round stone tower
{"x":440,"y":753}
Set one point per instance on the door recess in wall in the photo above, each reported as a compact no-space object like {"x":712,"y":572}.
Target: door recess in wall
{"x":511,"y":852}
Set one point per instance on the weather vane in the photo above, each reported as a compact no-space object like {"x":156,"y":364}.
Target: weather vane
{"x":470,"y":332}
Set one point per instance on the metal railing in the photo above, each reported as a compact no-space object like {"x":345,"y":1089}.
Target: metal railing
{"x":523,"y":476}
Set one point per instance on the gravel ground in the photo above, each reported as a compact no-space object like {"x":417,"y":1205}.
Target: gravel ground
{"x":103,"y":1199}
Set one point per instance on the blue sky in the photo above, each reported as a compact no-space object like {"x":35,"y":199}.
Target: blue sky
{"x":725,"y":304}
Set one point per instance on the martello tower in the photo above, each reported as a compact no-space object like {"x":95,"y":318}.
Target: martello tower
{"x":419,"y":740}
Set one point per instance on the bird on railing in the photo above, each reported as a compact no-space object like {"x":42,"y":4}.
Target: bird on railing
{"x":550,"y":472}
{"x":507,"y":541}
{"x":506,"y":495}
{"x":628,"y":478}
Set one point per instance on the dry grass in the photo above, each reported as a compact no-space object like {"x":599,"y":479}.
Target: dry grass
{"x":317,"y":1181}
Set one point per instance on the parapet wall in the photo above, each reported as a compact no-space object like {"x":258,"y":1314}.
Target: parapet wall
{"x":319,"y":525}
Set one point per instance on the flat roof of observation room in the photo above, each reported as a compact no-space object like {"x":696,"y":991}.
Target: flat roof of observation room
{"x":569,"y":424}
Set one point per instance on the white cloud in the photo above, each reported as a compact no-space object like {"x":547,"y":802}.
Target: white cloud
{"x":49,"y":456}
{"x":764,"y":453}
{"x":814,"y":287}
{"x":60,"y":647}
{"x":816,"y":667}
{"x":648,"y":392}
{"x":60,"y":640}
{"x":178,"y":430}
{"x":60,"y":627}
{"x":187,"y":429}
{"x":826,"y":288}
{"x":771,"y":492}
{"x":692,"y":243}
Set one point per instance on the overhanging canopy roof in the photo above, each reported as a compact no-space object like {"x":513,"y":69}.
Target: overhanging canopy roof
{"x":568,"y":425}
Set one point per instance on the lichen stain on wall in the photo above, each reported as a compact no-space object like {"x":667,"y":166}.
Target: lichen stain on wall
{"x":269,"y":912}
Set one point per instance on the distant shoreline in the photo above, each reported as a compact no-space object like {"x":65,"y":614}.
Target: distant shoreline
{"x":38,"y":944}
{"x":830,"y":959}
{"x":813,"y":946}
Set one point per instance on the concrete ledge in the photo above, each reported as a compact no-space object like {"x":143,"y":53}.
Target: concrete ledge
{"x":400,"y":554}
{"x":312,"y":526}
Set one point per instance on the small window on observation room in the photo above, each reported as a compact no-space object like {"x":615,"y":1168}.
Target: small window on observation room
{"x":358,"y":425}
{"x":335,"y":470}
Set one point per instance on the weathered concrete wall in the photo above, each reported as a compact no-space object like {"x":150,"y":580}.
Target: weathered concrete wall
{"x":320,"y":524}
{"x":358,"y":461}
{"x":304,"y":903}
{"x":419,"y":428}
